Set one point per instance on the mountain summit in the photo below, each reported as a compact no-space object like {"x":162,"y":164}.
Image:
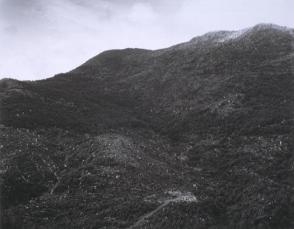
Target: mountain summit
{"x":225,"y":36}
{"x":197,"y":135}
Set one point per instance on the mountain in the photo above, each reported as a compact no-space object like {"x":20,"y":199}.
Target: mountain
{"x":198,"y":135}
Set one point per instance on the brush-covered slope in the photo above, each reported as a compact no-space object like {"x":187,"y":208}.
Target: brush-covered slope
{"x":198,"y":135}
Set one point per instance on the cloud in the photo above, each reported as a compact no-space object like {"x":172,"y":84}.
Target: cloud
{"x":40,"y":38}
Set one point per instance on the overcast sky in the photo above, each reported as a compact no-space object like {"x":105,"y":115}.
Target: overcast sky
{"x":40,"y":38}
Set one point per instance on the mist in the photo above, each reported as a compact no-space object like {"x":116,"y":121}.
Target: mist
{"x":40,"y":38}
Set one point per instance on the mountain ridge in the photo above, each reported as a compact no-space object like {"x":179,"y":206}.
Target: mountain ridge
{"x":111,"y":141}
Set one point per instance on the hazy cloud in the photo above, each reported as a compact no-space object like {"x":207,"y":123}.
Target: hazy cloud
{"x":40,"y":38}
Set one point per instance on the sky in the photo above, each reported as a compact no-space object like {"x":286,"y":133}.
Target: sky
{"x":41,"y":38}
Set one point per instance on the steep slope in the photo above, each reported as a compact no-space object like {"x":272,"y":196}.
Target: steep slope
{"x":106,"y":144}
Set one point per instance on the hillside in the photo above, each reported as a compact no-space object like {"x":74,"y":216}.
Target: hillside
{"x":198,"y":135}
